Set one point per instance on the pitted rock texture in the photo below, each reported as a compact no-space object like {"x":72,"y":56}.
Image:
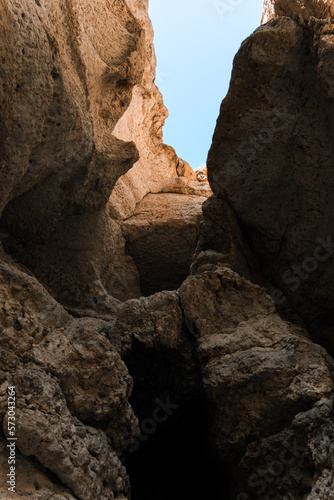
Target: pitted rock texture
{"x":269,"y":388}
{"x":142,"y":123}
{"x":184,"y":170}
{"x":66,"y":374}
{"x":182,"y":185}
{"x":33,"y":481}
{"x":202,"y":174}
{"x":220,"y":241}
{"x":282,"y":465}
{"x":76,"y":88}
{"x":161,"y":237}
{"x":211,"y":333}
{"x":67,"y":74}
{"x":320,"y":9}
{"x":189,"y":182}
{"x":83,"y":265}
{"x":271,"y":160}
{"x":247,"y":350}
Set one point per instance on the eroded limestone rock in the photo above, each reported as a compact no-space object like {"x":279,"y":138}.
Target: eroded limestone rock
{"x":321,"y":9}
{"x":67,"y":74}
{"x":266,"y":383}
{"x":271,"y":160}
{"x":66,"y":375}
{"x":142,"y":123}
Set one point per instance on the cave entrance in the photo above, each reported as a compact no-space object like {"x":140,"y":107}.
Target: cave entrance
{"x":173,"y":457}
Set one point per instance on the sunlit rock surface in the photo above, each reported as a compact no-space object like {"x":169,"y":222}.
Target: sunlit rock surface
{"x":65,"y":82}
{"x":142,"y":123}
{"x":201,"y":390}
{"x":320,"y":9}
{"x":271,"y":160}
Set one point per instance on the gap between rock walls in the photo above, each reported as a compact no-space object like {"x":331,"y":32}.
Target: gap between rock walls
{"x":165,"y":333}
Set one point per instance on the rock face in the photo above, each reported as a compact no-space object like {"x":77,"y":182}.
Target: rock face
{"x":283,"y":382}
{"x":256,"y":375}
{"x":200,"y":390}
{"x":158,"y":169}
{"x":320,"y":9}
{"x":65,"y":82}
{"x":158,"y":163}
{"x":202,"y":174}
{"x":271,"y":159}
{"x":58,"y":365}
{"x":161,"y":237}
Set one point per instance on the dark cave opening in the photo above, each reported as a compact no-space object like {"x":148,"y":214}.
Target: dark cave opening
{"x":173,"y":457}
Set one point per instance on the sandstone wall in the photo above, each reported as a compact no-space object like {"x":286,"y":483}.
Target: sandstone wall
{"x":76,"y":87}
{"x":272,"y":160}
{"x":68,"y":69}
{"x":142,"y":123}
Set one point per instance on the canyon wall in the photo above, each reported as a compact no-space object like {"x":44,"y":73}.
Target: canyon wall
{"x":142,"y":123}
{"x":203,"y":389}
{"x":272,"y":160}
{"x":65,"y":82}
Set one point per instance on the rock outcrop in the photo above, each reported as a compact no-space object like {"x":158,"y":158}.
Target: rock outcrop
{"x":158,"y":169}
{"x":201,"y":389}
{"x":283,"y":382}
{"x":66,"y":376}
{"x":65,"y":82}
{"x":320,"y":9}
{"x":269,"y":388}
{"x":271,"y":160}
{"x":142,"y":123}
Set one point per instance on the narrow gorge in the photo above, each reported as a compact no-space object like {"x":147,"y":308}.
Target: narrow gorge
{"x":166,"y":333}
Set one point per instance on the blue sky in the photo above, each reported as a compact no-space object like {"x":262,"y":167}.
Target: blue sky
{"x":195,"y":43}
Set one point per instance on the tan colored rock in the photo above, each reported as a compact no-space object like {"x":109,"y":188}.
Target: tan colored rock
{"x":217,"y":323}
{"x":189,"y":182}
{"x":58,"y":365}
{"x":161,"y":237}
{"x":67,"y":74}
{"x":320,"y":9}
{"x":220,"y":240}
{"x":83,"y":266}
{"x":79,"y":455}
{"x":142,"y":123}
{"x":202,"y":174}
{"x":48,"y":74}
{"x":182,"y":185}
{"x":271,"y":161}
{"x":259,"y":374}
{"x":161,"y":329}
{"x":31,"y":479}
{"x":77,"y":81}
{"x":185,"y":170}
{"x":283,"y":460}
